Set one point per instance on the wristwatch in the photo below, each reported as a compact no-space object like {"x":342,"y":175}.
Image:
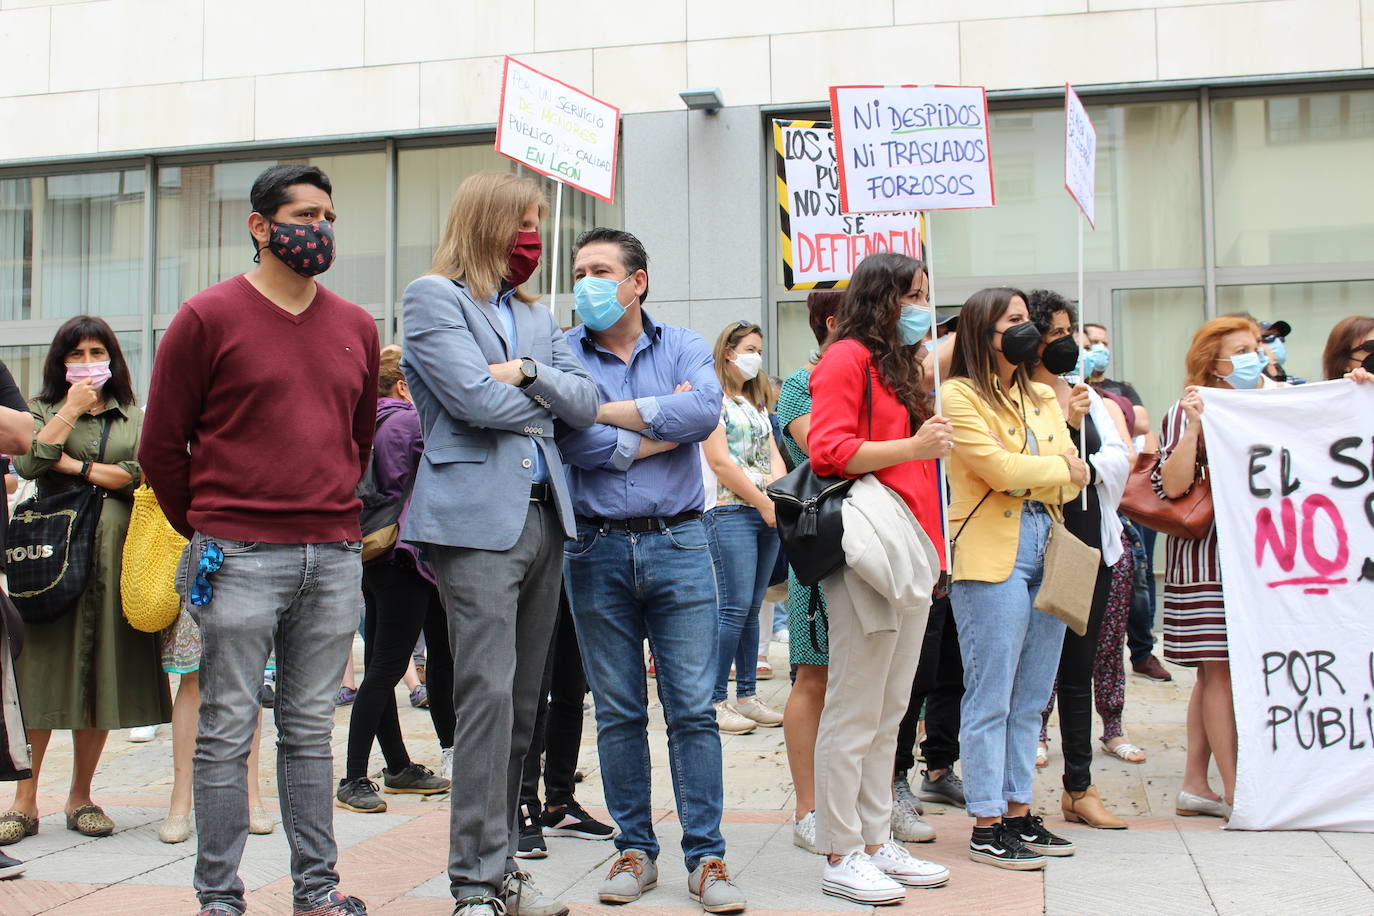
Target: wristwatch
{"x":529,"y":371}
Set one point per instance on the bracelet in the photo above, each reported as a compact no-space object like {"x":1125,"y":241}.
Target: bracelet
{"x":85,"y":470}
{"x":65,"y":420}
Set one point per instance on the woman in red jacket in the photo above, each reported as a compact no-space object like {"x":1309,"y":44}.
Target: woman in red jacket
{"x":885,"y":314}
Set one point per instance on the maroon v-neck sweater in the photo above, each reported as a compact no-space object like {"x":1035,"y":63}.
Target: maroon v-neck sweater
{"x":259,"y":422}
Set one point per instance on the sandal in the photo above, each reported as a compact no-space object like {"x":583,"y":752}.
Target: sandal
{"x":1126,"y":751}
{"x":90,"y":820}
{"x":15,"y":825}
{"x":1042,"y":754}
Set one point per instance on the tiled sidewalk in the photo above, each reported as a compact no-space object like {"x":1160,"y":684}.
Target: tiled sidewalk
{"x":395,"y":861}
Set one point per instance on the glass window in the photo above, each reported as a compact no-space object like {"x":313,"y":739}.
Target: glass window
{"x":792,"y":338}
{"x":1149,"y":197}
{"x":1153,"y":328}
{"x":427,"y":180}
{"x":1311,"y":309}
{"x":71,"y":245}
{"x":203,"y":225}
{"x":1291,"y":180}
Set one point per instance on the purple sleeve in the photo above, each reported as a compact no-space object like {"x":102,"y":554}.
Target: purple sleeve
{"x":396,"y":453}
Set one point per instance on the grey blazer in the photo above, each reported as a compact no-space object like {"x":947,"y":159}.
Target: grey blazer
{"x":473,"y":485}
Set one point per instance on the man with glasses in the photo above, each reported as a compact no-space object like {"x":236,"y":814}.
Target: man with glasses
{"x":640,"y":566}
{"x":260,"y":423}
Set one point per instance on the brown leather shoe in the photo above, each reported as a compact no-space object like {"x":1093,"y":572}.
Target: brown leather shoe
{"x":1086,"y":808}
{"x":1152,"y":669}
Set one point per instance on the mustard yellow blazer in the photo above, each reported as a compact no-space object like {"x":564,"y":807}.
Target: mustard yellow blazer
{"x":988,"y":454}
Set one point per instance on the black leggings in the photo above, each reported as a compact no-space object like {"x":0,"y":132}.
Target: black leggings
{"x":1076,"y":690}
{"x":400,"y":603}
{"x":558,"y":727}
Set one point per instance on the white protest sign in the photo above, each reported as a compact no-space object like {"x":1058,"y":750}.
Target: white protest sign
{"x":1080,"y":155}
{"x":1292,"y":473}
{"x":912,"y":147}
{"x":820,"y":245}
{"x":557,"y":130}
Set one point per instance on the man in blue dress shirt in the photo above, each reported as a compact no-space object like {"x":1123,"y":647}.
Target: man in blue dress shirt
{"x":640,"y":567}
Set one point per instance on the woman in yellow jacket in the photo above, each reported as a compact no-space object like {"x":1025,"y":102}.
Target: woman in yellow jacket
{"x":1012,"y":466}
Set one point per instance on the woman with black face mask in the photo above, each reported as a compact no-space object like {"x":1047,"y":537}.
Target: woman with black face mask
{"x":1013,"y":465}
{"x":1099,"y":431}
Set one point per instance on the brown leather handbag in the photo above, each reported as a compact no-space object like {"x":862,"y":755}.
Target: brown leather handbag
{"x":1189,"y":516}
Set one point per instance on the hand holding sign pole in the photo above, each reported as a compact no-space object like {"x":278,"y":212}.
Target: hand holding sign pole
{"x":920,"y":148}
{"x":1080,"y":172}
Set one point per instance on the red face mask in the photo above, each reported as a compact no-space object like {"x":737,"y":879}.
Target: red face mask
{"x":523,"y":257}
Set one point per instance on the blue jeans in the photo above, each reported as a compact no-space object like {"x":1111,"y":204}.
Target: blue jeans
{"x":623,"y":588}
{"x":302,"y":599}
{"x":744,"y":550}
{"x":1011,"y":653}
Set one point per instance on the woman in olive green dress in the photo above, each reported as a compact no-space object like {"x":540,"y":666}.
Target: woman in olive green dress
{"x":88,"y":670}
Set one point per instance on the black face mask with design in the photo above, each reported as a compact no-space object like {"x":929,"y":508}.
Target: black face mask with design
{"x":1060,"y":355}
{"x":1021,"y":343}
{"x":308,"y":249}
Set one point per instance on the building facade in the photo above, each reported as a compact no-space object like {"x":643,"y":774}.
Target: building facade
{"x":1234,"y":145}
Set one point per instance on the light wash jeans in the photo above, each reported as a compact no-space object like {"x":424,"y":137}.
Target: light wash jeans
{"x":1011,"y":654}
{"x":744,"y":550}
{"x":625,"y":588}
{"x":301,"y":599}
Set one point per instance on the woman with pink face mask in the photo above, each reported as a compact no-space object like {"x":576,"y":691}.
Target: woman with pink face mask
{"x":88,"y":670}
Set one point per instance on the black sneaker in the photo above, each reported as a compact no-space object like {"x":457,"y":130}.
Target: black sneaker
{"x":267,"y":695}
{"x":996,"y":845}
{"x":571,"y":821}
{"x":359,"y":795}
{"x":413,"y":780}
{"x":1030,"y":829}
{"x":10,"y":867}
{"x":532,"y":845}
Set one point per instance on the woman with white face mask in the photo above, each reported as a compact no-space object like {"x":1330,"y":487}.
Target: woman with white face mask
{"x":740,"y":527}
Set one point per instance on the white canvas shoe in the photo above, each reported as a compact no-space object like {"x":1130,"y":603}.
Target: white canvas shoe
{"x":893,"y":860}
{"x":857,"y":879}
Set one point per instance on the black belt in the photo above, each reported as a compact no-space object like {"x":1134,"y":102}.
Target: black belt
{"x":641,"y":525}
{"x":541,"y":492}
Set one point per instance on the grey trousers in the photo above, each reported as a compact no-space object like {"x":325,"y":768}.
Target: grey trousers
{"x":502,"y":606}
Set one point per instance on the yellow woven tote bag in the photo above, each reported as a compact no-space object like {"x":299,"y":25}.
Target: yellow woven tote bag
{"x":147,"y":582}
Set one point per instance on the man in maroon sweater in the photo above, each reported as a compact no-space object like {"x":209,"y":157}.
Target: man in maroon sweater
{"x":260,"y":422}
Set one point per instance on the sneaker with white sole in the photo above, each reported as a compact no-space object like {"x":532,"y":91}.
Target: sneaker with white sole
{"x":947,"y":790}
{"x":522,"y":898}
{"x":902,"y":795}
{"x":893,"y":860}
{"x":630,"y":876}
{"x":857,"y":879}
{"x":759,"y":711}
{"x":804,"y":832}
{"x":571,"y":820}
{"x":446,"y":763}
{"x":732,"y":723}
{"x":1030,"y":829}
{"x":996,"y":845}
{"x":710,"y":885}
{"x":908,"y":827}
{"x":142,"y":733}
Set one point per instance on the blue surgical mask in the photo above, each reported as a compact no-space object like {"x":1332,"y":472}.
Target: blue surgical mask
{"x":914,"y":324}
{"x":1099,"y":358}
{"x":596,"y":303}
{"x":1280,"y":350}
{"x":1245,"y":371}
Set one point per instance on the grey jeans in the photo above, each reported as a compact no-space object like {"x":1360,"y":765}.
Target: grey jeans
{"x":502,"y":607}
{"x":302,"y":599}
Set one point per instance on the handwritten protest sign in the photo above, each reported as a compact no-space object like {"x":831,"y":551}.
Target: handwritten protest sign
{"x":1292,"y":472}
{"x":821,"y":246}
{"x":912,"y":148}
{"x":1080,"y":155}
{"x":557,"y":130}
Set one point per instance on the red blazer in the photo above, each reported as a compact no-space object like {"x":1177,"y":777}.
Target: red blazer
{"x":839,"y":425}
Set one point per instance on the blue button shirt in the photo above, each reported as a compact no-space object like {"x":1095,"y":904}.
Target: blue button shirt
{"x":503,"y":308}
{"x":606,"y":479}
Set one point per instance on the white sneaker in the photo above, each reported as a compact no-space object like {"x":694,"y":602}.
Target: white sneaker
{"x":804,"y":832}
{"x":731,"y":722}
{"x":893,"y":860}
{"x":908,"y":827}
{"x":856,"y":878}
{"x":142,"y":734}
{"x":760,"y":712}
{"x":446,"y":762}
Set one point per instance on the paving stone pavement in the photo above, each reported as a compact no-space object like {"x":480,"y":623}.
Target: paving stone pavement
{"x":395,"y":861}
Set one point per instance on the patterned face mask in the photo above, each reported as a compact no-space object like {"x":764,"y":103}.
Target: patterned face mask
{"x":307,"y":249}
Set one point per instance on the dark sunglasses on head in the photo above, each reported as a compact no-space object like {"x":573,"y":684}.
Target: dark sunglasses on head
{"x":211,"y":559}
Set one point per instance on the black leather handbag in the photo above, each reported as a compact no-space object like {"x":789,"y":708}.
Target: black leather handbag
{"x":807,"y":507}
{"x":50,"y":547}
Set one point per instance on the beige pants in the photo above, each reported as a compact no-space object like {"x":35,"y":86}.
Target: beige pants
{"x":865,"y":698}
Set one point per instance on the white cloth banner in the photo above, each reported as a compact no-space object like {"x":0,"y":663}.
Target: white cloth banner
{"x":1292,"y":473}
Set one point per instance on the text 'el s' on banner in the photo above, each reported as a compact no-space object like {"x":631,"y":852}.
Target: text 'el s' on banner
{"x":558,"y":130}
{"x":912,"y":148}
{"x":821,"y":245}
